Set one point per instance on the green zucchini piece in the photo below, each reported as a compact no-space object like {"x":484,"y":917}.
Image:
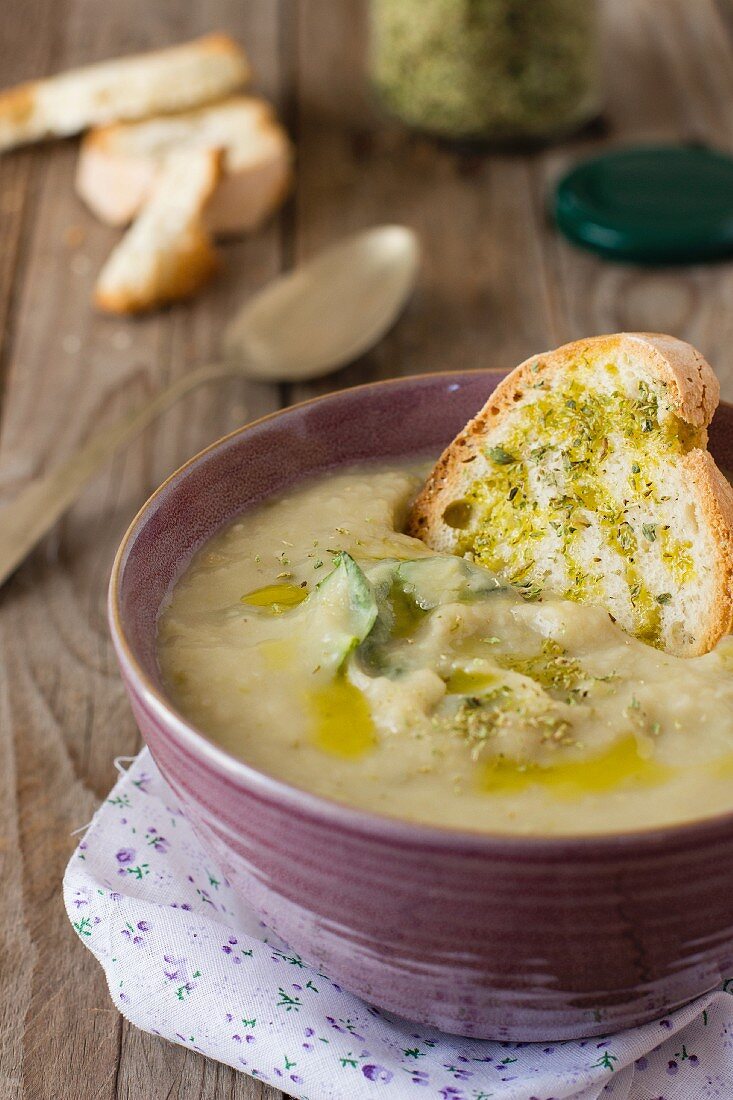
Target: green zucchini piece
{"x":440,"y":580}
{"x":339,"y":613}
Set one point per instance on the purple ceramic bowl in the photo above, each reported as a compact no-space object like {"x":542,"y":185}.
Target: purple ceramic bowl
{"x":486,"y":936}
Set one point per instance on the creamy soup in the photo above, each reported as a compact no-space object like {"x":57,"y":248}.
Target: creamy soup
{"x":317,"y":642}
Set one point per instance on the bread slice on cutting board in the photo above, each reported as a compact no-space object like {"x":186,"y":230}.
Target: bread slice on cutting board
{"x":172,"y":79}
{"x":167,"y":253}
{"x":586,"y":475}
{"x":119,"y":164}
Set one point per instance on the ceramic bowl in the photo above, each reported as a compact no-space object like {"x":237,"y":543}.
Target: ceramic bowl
{"x":487,"y":936}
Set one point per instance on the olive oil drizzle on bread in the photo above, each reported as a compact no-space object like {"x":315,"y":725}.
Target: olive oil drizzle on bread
{"x":586,"y":476}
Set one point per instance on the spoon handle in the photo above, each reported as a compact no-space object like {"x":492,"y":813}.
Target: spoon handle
{"x":39,"y":505}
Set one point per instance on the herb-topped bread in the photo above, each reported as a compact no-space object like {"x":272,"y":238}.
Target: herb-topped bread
{"x":586,"y":475}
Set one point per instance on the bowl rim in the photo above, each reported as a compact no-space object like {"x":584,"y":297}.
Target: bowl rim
{"x":329,"y":811}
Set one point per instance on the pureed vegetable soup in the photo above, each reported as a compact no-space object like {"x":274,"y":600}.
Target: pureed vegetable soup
{"x":317,"y":642}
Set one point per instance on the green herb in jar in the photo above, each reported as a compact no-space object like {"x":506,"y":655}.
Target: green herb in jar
{"x":488,"y":69}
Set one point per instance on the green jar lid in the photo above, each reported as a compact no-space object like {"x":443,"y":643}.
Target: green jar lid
{"x":659,"y":204}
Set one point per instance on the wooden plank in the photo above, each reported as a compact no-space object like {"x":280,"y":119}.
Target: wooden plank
{"x":19,"y":174}
{"x":63,"y":714}
{"x":16,"y":946}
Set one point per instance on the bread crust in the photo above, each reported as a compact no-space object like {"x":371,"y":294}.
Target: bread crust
{"x":17,"y":105}
{"x":196,"y":264}
{"x":716,"y":498}
{"x":176,"y":78}
{"x":147,"y":269}
{"x":694,"y":393}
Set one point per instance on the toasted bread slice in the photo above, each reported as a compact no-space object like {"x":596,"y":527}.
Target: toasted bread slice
{"x":585,"y":475}
{"x":166,"y":254}
{"x":173,"y":79}
{"x":119,"y":164}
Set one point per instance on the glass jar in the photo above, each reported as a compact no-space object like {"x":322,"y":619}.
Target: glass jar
{"x":498,"y":70}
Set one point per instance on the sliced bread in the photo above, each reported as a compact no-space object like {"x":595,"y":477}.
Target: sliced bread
{"x":586,"y":475}
{"x":119,"y":164}
{"x":166,"y":254}
{"x":172,"y":79}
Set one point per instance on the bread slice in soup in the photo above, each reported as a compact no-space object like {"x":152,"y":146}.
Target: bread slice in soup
{"x":586,"y":475}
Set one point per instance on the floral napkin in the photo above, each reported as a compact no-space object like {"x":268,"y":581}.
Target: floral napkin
{"x":188,"y":961}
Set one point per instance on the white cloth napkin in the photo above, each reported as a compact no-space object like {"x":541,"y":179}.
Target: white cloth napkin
{"x":186,"y":960}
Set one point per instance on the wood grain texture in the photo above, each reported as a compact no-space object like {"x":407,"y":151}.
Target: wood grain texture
{"x":497,"y":284}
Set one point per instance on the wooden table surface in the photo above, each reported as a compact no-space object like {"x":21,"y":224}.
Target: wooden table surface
{"x":497,"y":284}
